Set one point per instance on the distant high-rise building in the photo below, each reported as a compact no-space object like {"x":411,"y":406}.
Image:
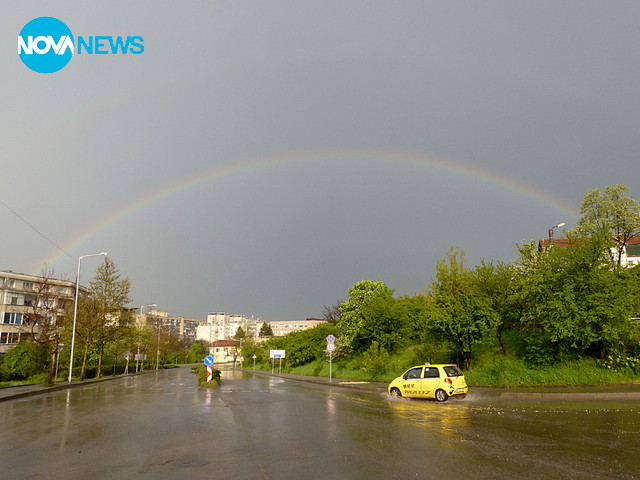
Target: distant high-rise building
{"x":224,"y":326}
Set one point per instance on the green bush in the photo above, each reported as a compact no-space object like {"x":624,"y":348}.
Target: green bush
{"x":201,"y":372}
{"x":622,"y":363}
{"x":25,"y":360}
{"x":375,"y":360}
{"x":539,"y":350}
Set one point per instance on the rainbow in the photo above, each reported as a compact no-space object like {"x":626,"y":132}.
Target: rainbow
{"x":493,"y":179}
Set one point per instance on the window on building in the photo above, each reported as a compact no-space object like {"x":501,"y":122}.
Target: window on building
{"x":14,"y":299}
{"x":633,"y":250}
{"x":12,"y":318}
{"x":9,"y":337}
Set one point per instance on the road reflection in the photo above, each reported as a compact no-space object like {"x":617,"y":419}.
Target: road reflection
{"x":445,"y":419}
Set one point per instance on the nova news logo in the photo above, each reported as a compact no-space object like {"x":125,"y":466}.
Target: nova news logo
{"x":46,"y":45}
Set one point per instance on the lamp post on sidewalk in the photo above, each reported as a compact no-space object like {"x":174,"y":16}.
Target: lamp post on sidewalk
{"x":58,"y":350}
{"x":75,"y":311}
{"x":158,"y":350}
{"x":138,"y":354}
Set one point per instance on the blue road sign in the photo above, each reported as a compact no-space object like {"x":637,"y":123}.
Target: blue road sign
{"x":208,"y":360}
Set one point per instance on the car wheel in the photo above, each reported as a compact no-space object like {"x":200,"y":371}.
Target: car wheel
{"x":395,"y":392}
{"x":441,"y":395}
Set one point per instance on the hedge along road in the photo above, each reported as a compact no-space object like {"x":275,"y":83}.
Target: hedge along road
{"x":162,"y":426}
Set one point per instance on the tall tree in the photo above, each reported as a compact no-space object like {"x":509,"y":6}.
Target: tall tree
{"x":43,"y":320}
{"x":331,"y":313}
{"x":265,"y":330}
{"x":356,"y":313}
{"x":579,"y":298}
{"x":240,"y":334}
{"x":500,"y":285}
{"x":461,"y":313}
{"x":612,"y":211}
{"x":105,"y":316}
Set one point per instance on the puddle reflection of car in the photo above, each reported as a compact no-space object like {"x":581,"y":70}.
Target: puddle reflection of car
{"x":430,"y":381}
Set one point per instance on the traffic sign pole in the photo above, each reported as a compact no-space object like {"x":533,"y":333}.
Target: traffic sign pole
{"x":330,"y":365}
{"x":331,"y":346}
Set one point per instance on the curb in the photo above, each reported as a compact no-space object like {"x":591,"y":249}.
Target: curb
{"x":373,"y":387}
{"x":622,"y":396}
{"x":497,"y":394}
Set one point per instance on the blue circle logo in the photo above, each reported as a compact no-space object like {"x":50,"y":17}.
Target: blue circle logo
{"x":45,"y":45}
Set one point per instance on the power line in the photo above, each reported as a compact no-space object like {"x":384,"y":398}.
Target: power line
{"x":37,"y":231}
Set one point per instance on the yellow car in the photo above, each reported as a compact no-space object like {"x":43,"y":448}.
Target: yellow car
{"x":430,"y":381}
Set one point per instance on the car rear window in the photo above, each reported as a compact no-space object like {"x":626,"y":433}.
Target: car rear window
{"x":453,"y":371}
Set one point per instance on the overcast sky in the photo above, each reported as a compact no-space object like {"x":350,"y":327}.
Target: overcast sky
{"x":260,"y":158}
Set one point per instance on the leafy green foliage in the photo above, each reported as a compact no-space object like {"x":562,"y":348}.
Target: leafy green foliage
{"x":197,"y":351}
{"x":102,"y":315}
{"x":461,"y":314}
{"x":499,"y":284}
{"x":201,"y":372}
{"x":578,"y":298}
{"x":611,"y":211}
{"x":240,"y":334}
{"x":301,"y":347}
{"x":376,"y":361}
{"x":372,"y":314}
{"x":540,"y":351}
{"x":265,"y":330}
{"x":249,"y":349}
{"x":25,"y":360}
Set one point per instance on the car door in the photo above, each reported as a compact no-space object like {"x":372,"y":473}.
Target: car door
{"x":410,"y":386}
{"x":429,"y":382}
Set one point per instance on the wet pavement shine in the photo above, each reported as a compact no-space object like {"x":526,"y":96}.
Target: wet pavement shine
{"x":163,"y":426}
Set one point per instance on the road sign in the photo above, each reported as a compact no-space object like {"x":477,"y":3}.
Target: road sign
{"x":331,"y":339}
{"x":209,"y":374}
{"x":276,"y":353}
{"x":331,"y":347}
{"x":208,"y":360}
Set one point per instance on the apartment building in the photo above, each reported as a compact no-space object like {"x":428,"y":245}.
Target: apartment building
{"x":181,"y":326}
{"x":223,"y":326}
{"x":282,"y":328}
{"x":23,"y":295}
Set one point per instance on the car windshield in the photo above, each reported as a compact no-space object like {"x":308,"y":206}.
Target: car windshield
{"x":453,"y":371}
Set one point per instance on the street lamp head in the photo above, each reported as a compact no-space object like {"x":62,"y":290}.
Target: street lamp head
{"x":105,"y":253}
{"x":559,"y":225}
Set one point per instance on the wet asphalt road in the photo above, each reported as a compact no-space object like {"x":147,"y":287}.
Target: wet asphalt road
{"x":161,"y":426}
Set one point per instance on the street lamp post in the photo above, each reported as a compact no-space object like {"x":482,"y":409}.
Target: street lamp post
{"x":58,"y":350}
{"x":158,"y":350}
{"x":75,"y":310}
{"x":138,"y":354}
{"x":551,"y":231}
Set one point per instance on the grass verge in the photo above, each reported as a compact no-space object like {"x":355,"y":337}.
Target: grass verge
{"x":490,"y":370}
